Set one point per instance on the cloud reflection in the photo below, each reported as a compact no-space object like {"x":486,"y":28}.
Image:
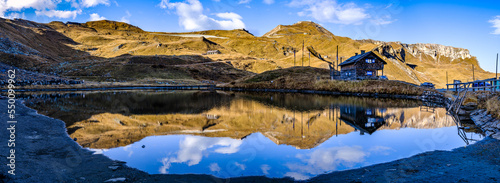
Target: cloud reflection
{"x":265,"y":169}
{"x":192,"y":149}
{"x":326,"y":160}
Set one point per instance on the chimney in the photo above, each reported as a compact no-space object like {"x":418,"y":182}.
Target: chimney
{"x":362,"y":51}
{"x":356,"y":54}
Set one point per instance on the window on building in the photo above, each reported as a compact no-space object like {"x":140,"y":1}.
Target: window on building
{"x":370,"y":60}
{"x":369,"y":73}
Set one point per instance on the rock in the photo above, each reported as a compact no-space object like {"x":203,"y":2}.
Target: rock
{"x":121,"y":179}
{"x":113,"y":167}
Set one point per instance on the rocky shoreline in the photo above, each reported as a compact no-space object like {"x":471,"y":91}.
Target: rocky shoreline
{"x":489,"y":125}
{"x":45,"y":153}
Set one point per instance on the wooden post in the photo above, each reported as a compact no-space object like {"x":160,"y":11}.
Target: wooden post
{"x":309,"y":59}
{"x":294,"y":57}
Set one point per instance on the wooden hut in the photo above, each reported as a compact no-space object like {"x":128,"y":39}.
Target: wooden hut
{"x":362,"y":66}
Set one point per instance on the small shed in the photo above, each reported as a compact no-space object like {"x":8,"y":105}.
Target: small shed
{"x":213,"y":52}
{"x":362,"y":66}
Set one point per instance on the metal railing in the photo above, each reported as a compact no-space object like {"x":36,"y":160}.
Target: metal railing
{"x":492,"y":84}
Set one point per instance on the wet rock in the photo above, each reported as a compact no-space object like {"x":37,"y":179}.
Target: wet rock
{"x":113,"y":167}
{"x":121,"y":179}
{"x":487,"y":123}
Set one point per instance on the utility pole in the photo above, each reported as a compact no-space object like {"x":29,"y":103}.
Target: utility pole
{"x":496,"y":76}
{"x":302,"y":53}
{"x":338,"y":62}
{"x":294,"y":57}
{"x":473,"y":77}
{"x":496,"y":71}
{"x":446,"y":78}
{"x":337,"y":57}
{"x":309,"y":59}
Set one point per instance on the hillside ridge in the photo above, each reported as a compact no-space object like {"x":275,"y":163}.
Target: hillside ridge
{"x":36,"y":46}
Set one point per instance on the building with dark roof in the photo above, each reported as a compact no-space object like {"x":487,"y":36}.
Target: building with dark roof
{"x":366,"y":120}
{"x":363,"y":66}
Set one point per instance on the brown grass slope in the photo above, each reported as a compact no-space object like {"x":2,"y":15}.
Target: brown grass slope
{"x":310,"y":78}
{"x":98,"y":41}
{"x":28,"y":44}
{"x":275,"y":50}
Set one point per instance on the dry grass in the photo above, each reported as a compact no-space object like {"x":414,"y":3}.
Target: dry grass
{"x":493,"y":106}
{"x":487,"y":100}
{"x":102,"y":40}
{"x":306,"y":78}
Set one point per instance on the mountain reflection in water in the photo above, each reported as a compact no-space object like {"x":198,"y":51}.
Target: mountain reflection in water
{"x":235,"y":134}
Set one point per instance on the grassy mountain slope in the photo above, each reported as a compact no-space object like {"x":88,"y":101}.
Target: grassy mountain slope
{"x":88,"y":45}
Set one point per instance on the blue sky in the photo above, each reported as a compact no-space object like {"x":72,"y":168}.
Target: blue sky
{"x":466,"y":24}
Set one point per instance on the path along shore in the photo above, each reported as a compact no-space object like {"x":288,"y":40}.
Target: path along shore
{"x":45,"y":153}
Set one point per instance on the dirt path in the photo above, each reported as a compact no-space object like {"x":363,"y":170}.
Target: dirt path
{"x":45,"y":153}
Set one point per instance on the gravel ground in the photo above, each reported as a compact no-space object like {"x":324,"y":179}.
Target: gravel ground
{"x":45,"y":153}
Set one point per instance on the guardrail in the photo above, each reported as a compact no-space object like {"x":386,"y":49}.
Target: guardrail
{"x":492,"y":84}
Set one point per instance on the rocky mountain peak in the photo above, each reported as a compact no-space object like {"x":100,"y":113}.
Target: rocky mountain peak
{"x":435,"y":50}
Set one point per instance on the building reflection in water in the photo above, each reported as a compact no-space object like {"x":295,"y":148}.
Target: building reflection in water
{"x":364,"y":120}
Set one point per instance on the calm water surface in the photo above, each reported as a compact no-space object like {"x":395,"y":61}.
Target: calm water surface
{"x":246,"y":134}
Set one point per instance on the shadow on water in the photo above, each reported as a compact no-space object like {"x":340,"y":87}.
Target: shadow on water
{"x":74,"y":107}
{"x":308,"y":102}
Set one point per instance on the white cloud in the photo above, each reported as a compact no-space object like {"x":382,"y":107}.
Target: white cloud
{"x":14,"y":15}
{"x":214,"y":167}
{"x":96,"y":17}
{"x":92,"y":3}
{"x":36,"y":4}
{"x":296,"y":176}
{"x":191,"y":16}
{"x":382,"y":20}
{"x":265,"y":169}
{"x":59,"y":13}
{"x":126,"y":18}
{"x":268,"y":1}
{"x":18,"y":5}
{"x":46,"y":7}
{"x":244,"y":1}
{"x":331,"y":11}
{"x":241,"y":166}
{"x":496,"y":24}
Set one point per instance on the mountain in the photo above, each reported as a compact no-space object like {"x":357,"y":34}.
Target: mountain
{"x":302,"y":27}
{"x":119,"y":51}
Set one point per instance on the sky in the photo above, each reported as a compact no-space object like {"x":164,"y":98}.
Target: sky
{"x":474,"y":25}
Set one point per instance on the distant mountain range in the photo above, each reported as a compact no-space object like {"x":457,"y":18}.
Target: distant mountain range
{"x":106,"y":48}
